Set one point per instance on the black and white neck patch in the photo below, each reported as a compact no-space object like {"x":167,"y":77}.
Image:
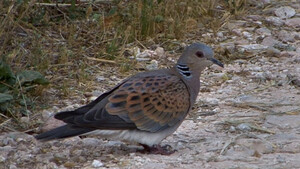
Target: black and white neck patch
{"x":184,"y":70}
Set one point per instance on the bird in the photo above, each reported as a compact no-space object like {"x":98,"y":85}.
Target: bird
{"x":144,"y":108}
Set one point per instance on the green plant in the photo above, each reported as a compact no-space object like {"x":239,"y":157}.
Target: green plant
{"x":15,"y":89}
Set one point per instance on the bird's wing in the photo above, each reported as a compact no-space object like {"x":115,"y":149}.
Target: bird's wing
{"x":150,"y":103}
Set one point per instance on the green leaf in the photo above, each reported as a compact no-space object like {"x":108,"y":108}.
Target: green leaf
{"x":30,"y":76}
{"x":5,"y":97}
{"x":159,"y":18}
{"x":112,"y":11}
{"x":7,"y":77}
{"x":5,"y":71}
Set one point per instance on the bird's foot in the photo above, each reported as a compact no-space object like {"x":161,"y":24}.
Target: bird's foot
{"x":158,"y":149}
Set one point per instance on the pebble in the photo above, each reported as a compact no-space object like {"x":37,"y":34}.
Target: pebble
{"x":284,"y":122}
{"x":269,"y":41}
{"x":286,"y":36}
{"x":297,"y":60}
{"x":25,"y":120}
{"x":276,"y":21}
{"x":212,"y":101}
{"x":12,"y":166}
{"x":247,"y":35}
{"x":112,"y":143}
{"x":271,"y":52}
{"x":160,"y":52}
{"x":90,"y":141}
{"x":237,"y":32}
{"x":97,"y":164}
{"x":220,"y":34}
{"x":262,"y":76}
{"x":252,"y":47}
{"x":232,"y":129}
{"x":243,"y":127}
{"x":280,"y":159}
{"x":293,"y":22}
{"x":2,"y":159}
{"x":295,"y":82}
{"x":263,"y":31}
{"x":218,"y":76}
{"x":153,"y":65}
{"x":256,"y":145}
{"x":100,"y":78}
{"x":285,"y":12}
{"x":245,"y":99}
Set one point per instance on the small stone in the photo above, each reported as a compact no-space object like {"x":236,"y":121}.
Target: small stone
{"x":92,"y":98}
{"x":237,"y":32}
{"x":25,"y":120}
{"x":220,"y":34}
{"x":293,"y":22}
{"x":212,"y":101}
{"x":280,"y":159}
{"x":60,"y":156}
{"x":100,"y":78}
{"x":153,"y":65}
{"x":97,"y":164}
{"x":145,"y":55}
{"x":12,"y":166}
{"x":112,"y":143}
{"x":276,"y":21}
{"x":8,"y":141}
{"x":51,"y":123}
{"x":287,"y":54}
{"x":269,"y":41}
{"x":2,"y":159}
{"x":253,"y":47}
{"x":286,"y":36}
{"x":232,"y":129}
{"x":160,"y":52}
{"x":240,"y":61}
{"x":218,"y":76}
{"x":254,"y":17}
{"x":284,"y":122}
{"x":113,"y":77}
{"x":135,"y":51}
{"x":236,"y":24}
{"x":285,"y":12}
{"x":262,"y":76}
{"x":295,"y":82}
{"x":52,"y":165}
{"x":271,"y":52}
{"x":242,"y":42}
{"x":256,"y":145}
{"x":297,"y":60}
{"x":244,"y":127}
{"x":263,"y":31}
{"x":47,"y":114}
{"x":90,"y":141}
{"x":247,"y":35}
{"x":265,"y":2}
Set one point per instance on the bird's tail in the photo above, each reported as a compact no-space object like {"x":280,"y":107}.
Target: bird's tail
{"x":62,"y":132}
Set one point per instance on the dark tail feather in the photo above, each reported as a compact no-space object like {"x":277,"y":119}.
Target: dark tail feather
{"x":62,"y":132}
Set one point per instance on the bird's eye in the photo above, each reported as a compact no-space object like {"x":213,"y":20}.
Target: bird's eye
{"x":199,"y":54}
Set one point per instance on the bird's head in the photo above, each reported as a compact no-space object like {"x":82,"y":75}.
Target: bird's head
{"x":198,"y":56}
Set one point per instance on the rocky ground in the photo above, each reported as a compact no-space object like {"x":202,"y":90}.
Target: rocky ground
{"x":247,"y":114}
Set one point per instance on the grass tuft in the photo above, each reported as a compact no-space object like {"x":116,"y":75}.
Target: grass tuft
{"x":67,"y":42}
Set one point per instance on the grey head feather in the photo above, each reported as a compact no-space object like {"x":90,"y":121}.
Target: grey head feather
{"x":191,"y":50}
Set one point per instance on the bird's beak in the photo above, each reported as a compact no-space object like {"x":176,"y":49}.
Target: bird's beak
{"x":217,"y":62}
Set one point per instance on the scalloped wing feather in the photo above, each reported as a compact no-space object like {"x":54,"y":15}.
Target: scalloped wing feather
{"x":152,"y":103}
